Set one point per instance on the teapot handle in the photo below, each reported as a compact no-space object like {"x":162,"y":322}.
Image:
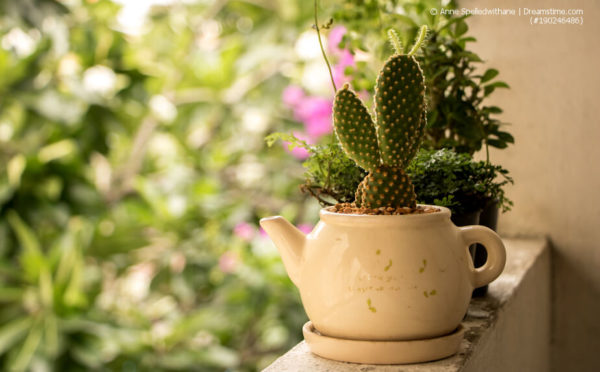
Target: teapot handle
{"x":496,"y":253}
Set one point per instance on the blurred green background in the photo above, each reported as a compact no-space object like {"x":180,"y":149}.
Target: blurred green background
{"x":133,"y":172}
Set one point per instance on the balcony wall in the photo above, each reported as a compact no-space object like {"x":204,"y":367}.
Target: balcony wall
{"x":553,"y":108}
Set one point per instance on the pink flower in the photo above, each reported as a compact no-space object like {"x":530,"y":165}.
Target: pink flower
{"x":339,"y":70}
{"x":305,"y":228}
{"x":299,"y":152}
{"x":244,"y":231}
{"x":318,"y":126}
{"x":292,"y":95}
{"x":315,"y":113}
{"x":335,"y":38}
{"x":228,"y":262}
{"x":310,"y":107}
{"x":344,"y":57}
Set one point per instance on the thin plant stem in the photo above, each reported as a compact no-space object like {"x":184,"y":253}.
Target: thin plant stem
{"x":327,"y":181}
{"x":323,"y":49}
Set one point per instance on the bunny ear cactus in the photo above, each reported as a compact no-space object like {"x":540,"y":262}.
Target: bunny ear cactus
{"x":384,"y":147}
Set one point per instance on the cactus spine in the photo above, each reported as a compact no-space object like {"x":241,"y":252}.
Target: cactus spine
{"x":384,"y":147}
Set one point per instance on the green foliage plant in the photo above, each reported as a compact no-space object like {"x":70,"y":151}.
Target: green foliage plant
{"x":454,"y":180}
{"x":45,"y":296}
{"x":386,"y":145}
{"x":459,"y":117}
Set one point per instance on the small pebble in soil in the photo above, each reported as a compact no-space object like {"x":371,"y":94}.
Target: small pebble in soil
{"x":351,"y":208}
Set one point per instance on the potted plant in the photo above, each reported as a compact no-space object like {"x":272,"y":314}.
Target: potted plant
{"x":459,"y":117}
{"x":384,"y":280}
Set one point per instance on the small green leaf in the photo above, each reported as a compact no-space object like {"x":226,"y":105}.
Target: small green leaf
{"x":489,"y":75}
{"x":500,"y":84}
{"x":51,"y":335}
{"x":461,"y":28}
{"x":28,"y":349}
{"x":287,"y":137}
{"x":467,"y":39}
{"x":57,"y":150}
{"x":499,"y":144}
{"x":15,"y":168}
{"x":469,"y":56}
{"x":31,"y":257}
{"x":505,"y":136}
{"x":488,"y":89}
{"x":24,"y":234}
{"x":46,"y":287}
{"x":12,"y":332}
{"x":493,"y":109}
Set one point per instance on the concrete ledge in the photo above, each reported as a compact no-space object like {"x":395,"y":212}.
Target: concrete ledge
{"x":508,"y":330}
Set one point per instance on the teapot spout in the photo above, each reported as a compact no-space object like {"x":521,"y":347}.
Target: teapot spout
{"x":289,"y":242}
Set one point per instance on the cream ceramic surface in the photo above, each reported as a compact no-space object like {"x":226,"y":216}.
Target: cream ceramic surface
{"x":382,"y":277}
{"x":382,"y":352}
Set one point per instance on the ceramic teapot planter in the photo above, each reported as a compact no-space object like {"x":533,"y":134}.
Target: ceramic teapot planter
{"x":378,"y":288}
{"x":372,"y":285}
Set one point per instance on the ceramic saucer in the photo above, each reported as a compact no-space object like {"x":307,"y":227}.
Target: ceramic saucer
{"x":382,"y":352}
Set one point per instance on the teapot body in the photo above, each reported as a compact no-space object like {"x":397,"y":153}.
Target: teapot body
{"x":384,"y":277}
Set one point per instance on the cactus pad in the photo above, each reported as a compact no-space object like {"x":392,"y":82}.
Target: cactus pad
{"x":400,"y":103}
{"x":355,"y":129}
{"x":389,"y":187}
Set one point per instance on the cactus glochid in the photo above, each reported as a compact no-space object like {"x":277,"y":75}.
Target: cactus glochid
{"x":384,"y":147}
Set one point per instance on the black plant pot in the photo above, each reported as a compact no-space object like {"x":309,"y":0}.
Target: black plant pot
{"x":489,"y":215}
{"x":465,"y":219}
{"x":487,"y":218}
